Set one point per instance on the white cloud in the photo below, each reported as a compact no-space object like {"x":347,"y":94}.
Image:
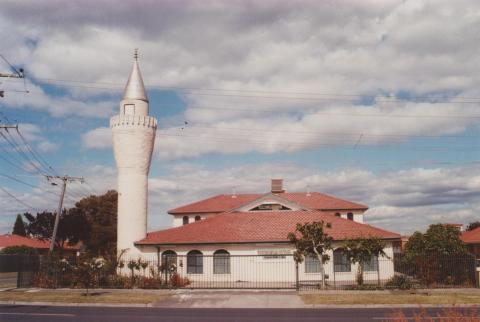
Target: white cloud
{"x":99,"y":138}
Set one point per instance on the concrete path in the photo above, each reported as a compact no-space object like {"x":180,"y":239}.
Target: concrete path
{"x":252,"y":299}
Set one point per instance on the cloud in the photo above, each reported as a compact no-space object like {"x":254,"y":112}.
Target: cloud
{"x":99,"y":138}
{"x":401,"y":201}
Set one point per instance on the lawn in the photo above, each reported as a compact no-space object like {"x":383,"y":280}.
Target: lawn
{"x":78,"y":297}
{"x":394,"y":298}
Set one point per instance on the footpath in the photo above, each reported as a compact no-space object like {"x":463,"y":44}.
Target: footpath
{"x":242,"y":298}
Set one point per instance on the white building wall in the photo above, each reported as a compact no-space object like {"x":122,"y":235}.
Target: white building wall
{"x":246,"y":266}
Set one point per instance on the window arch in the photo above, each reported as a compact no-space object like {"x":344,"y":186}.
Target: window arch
{"x":341,"y":263}
{"x":221,"y":262}
{"x":185,"y":220}
{"x":337,"y":214}
{"x":195,"y":262}
{"x":312,"y":264}
{"x":198,"y":218}
{"x":169,"y":259}
{"x":350,"y":216}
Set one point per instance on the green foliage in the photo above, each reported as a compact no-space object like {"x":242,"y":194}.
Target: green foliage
{"x":100,"y":213}
{"x":361,"y":250}
{"x":439,"y":239}
{"x":72,"y":227}
{"x":310,"y":239}
{"x":19,"y":227}
{"x":399,"y":281}
{"x":473,"y":225}
{"x":19,"y":250}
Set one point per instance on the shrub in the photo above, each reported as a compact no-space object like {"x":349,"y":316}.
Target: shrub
{"x":401,"y":282}
{"x":177,"y":281}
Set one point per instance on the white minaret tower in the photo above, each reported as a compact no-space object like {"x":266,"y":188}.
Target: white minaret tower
{"x":133,"y":140}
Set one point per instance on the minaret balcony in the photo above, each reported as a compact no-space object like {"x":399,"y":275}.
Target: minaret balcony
{"x":132,"y":120}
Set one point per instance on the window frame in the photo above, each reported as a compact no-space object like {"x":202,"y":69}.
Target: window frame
{"x":312,"y":265}
{"x":341,"y":263}
{"x":194,"y":262}
{"x":185,"y":220}
{"x":221,"y":262}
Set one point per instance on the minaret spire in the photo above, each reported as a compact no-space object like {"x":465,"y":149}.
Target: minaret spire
{"x":135,"y":88}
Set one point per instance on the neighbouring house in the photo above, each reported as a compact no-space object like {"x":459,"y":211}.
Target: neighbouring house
{"x":472,"y":239}
{"x":243,"y":237}
{"x":42,"y":246}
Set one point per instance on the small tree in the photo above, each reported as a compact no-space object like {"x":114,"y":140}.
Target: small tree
{"x":473,"y":225}
{"x":310,"y":239}
{"x":19,"y":227}
{"x":362,"y":250}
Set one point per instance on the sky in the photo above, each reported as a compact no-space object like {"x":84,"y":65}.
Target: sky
{"x":371,"y":101}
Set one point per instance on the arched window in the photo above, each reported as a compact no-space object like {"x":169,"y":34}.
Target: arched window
{"x":350,"y":216}
{"x":221,"y":262}
{"x":185,"y":220}
{"x":312,"y":264}
{"x":341,"y":263}
{"x":337,"y":214}
{"x":169,"y":260}
{"x":198,"y":218}
{"x":195,"y":262}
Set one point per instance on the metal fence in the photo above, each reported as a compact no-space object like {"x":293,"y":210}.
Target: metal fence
{"x":224,"y":271}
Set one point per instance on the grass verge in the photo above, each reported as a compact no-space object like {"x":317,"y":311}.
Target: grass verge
{"x":78,"y":297}
{"x":400,"y":298}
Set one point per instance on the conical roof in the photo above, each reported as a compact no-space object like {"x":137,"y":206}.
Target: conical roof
{"x":135,"y":88}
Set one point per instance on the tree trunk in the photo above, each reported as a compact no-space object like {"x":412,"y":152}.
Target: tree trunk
{"x":360,"y":273}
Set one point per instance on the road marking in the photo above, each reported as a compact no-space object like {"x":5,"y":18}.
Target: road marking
{"x":38,"y":314}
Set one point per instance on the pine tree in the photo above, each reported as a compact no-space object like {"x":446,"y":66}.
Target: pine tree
{"x":19,"y":227}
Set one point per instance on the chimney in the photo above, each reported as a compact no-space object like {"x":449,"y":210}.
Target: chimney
{"x":277,"y":186}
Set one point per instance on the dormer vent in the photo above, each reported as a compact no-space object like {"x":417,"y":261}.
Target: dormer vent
{"x":277,"y":186}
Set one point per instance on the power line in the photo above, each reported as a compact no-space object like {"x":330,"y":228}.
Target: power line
{"x":289,"y":92}
{"x":444,"y":99}
{"x":18,"y":200}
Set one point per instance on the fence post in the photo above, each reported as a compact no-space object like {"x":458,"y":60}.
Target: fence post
{"x":378,"y":270}
{"x":296,"y":277}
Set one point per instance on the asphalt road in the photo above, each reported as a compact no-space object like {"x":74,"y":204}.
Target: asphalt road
{"x":92,"y":314}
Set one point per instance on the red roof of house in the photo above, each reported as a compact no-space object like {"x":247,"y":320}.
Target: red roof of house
{"x":257,"y":227}
{"x":312,"y":200}
{"x":8,"y":240}
{"x":472,"y":236}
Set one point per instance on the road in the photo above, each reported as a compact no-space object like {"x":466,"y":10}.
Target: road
{"x":93,"y":314}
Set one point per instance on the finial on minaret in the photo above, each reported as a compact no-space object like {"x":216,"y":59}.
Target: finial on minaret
{"x":135,"y":88}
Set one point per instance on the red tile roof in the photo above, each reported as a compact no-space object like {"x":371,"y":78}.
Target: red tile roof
{"x":8,"y":240}
{"x":472,"y":236}
{"x":255,"y":227}
{"x":222,"y":203}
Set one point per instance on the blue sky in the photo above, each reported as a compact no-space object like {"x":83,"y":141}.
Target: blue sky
{"x":373,"y":102}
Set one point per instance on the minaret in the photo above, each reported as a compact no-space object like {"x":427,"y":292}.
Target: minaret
{"x":133,"y":140}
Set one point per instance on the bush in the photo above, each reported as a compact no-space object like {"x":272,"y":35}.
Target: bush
{"x":24,"y":250}
{"x":401,"y":282}
{"x":178,"y":281}
{"x":364,"y":287}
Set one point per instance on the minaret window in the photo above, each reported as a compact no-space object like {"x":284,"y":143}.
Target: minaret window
{"x":129,"y":109}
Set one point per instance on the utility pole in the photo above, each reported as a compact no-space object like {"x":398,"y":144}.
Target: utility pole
{"x":64,"y":180}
